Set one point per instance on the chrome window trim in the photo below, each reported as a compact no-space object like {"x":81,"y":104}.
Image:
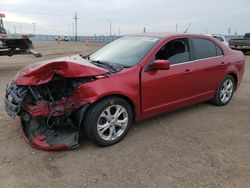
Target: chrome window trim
{"x":195,"y":60}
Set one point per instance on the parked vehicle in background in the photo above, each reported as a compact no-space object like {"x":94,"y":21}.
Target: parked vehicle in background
{"x":131,"y":78}
{"x":14,"y":44}
{"x":242,"y":44}
{"x":220,"y":38}
{"x":65,"y":38}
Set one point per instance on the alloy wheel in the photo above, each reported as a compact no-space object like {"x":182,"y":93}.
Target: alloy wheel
{"x":226,"y":90}
{"x":112,"y":122}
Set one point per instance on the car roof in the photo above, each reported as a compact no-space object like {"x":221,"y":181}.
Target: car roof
{"x":167,"y":35}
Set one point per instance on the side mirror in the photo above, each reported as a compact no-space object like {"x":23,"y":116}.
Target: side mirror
{"x":161,"y":65}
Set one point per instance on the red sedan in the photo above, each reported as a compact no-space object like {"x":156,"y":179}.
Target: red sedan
{"x":129,"y":79}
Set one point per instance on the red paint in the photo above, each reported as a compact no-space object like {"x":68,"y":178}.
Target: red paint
{"x":151,"y":92}
{"x":68,"y":67}
{"x":40,"y":143}
{"x":43,"y":109}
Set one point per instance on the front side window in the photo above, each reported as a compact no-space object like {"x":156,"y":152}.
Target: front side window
{"x":175,"y":51}
{"x":203,"y":48}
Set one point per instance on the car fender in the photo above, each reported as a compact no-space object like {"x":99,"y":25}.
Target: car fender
{"x":113,"y":85}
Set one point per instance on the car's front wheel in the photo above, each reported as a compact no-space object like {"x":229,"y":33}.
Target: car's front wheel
{"x":225,"y":91}
{"x":108,"y":121}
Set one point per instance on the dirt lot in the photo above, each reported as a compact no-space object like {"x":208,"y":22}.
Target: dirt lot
{"x":200,"y":146}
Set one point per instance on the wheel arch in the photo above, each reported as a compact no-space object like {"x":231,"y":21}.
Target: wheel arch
{"x":235,"y":78}
{"x":124,"y":97}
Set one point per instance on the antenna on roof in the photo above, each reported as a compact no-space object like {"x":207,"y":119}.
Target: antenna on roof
{"x":187,"y":28}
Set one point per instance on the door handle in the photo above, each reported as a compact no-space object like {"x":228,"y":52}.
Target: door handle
{"x":222,"y":63}
{"x":188,"y":71}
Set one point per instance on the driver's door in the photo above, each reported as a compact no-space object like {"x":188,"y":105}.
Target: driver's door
{"x":164,"y":90}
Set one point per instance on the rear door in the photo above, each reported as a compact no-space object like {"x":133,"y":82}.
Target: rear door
{"x":210,"y":65}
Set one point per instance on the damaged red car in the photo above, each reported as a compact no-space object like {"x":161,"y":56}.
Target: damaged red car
{"x":129,"y":79}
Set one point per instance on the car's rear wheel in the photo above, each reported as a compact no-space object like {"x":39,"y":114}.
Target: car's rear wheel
{"x":108,"y":121}
{"x":225,"y":91}
{"x":244,"y":51}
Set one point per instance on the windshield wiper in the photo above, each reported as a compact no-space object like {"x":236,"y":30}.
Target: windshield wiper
{"x":84,"y":56}
{"x":105,"y":64}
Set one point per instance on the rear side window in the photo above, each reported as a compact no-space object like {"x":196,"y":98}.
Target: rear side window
{"x":203,"y":48}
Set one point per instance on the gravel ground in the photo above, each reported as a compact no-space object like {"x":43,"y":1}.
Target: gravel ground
{"x":199,"y":146}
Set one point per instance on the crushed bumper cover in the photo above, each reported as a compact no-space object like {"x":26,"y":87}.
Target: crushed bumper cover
{"x":41,"y":137}
{"x":35,"y":130}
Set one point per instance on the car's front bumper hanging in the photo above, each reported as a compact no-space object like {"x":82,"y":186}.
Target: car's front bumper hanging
{"x":41,"y":137}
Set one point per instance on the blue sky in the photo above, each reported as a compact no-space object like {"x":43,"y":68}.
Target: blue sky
{"x":56,"y":17}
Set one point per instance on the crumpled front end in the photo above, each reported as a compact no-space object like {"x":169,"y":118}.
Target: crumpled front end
{"x":51,"y":114}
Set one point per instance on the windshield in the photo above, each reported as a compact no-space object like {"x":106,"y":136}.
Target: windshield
{"x":126,"y":51}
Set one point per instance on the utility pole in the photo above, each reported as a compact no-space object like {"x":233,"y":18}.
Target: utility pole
{"x":34,"y":27}
{"x":76,"y":18}
{"x":176,"y":27}
{"x":69,"y":29}
{"x":206,"y":30}
{"x":110,"y":27}
{"x":21,"y":30}
{"x":73,"y":29}
{"x":229,"y":31}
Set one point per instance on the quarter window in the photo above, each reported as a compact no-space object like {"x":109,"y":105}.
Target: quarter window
{"x":176,"y":51}
{"x":204,"y":48}
{"x":219,"y":51}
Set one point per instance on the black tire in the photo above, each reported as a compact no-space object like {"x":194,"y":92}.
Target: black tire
{"x":217,"y":98}
{"x":92,"y":117}
{"x":244,"y":52}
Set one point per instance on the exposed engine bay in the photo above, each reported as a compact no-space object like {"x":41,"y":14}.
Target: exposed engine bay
{"x":51,"y":113}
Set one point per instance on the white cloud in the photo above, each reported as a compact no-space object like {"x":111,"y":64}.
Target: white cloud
{"x":131,"y":15}
{"x":11,"y":17}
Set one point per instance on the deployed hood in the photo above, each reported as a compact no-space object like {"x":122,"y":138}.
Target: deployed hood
{"x":67,"y":67}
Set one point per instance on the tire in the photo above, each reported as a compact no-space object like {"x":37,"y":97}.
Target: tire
{"x":101,"y":124}
{"x":244,"y":52}
{"x":225,"y":92}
